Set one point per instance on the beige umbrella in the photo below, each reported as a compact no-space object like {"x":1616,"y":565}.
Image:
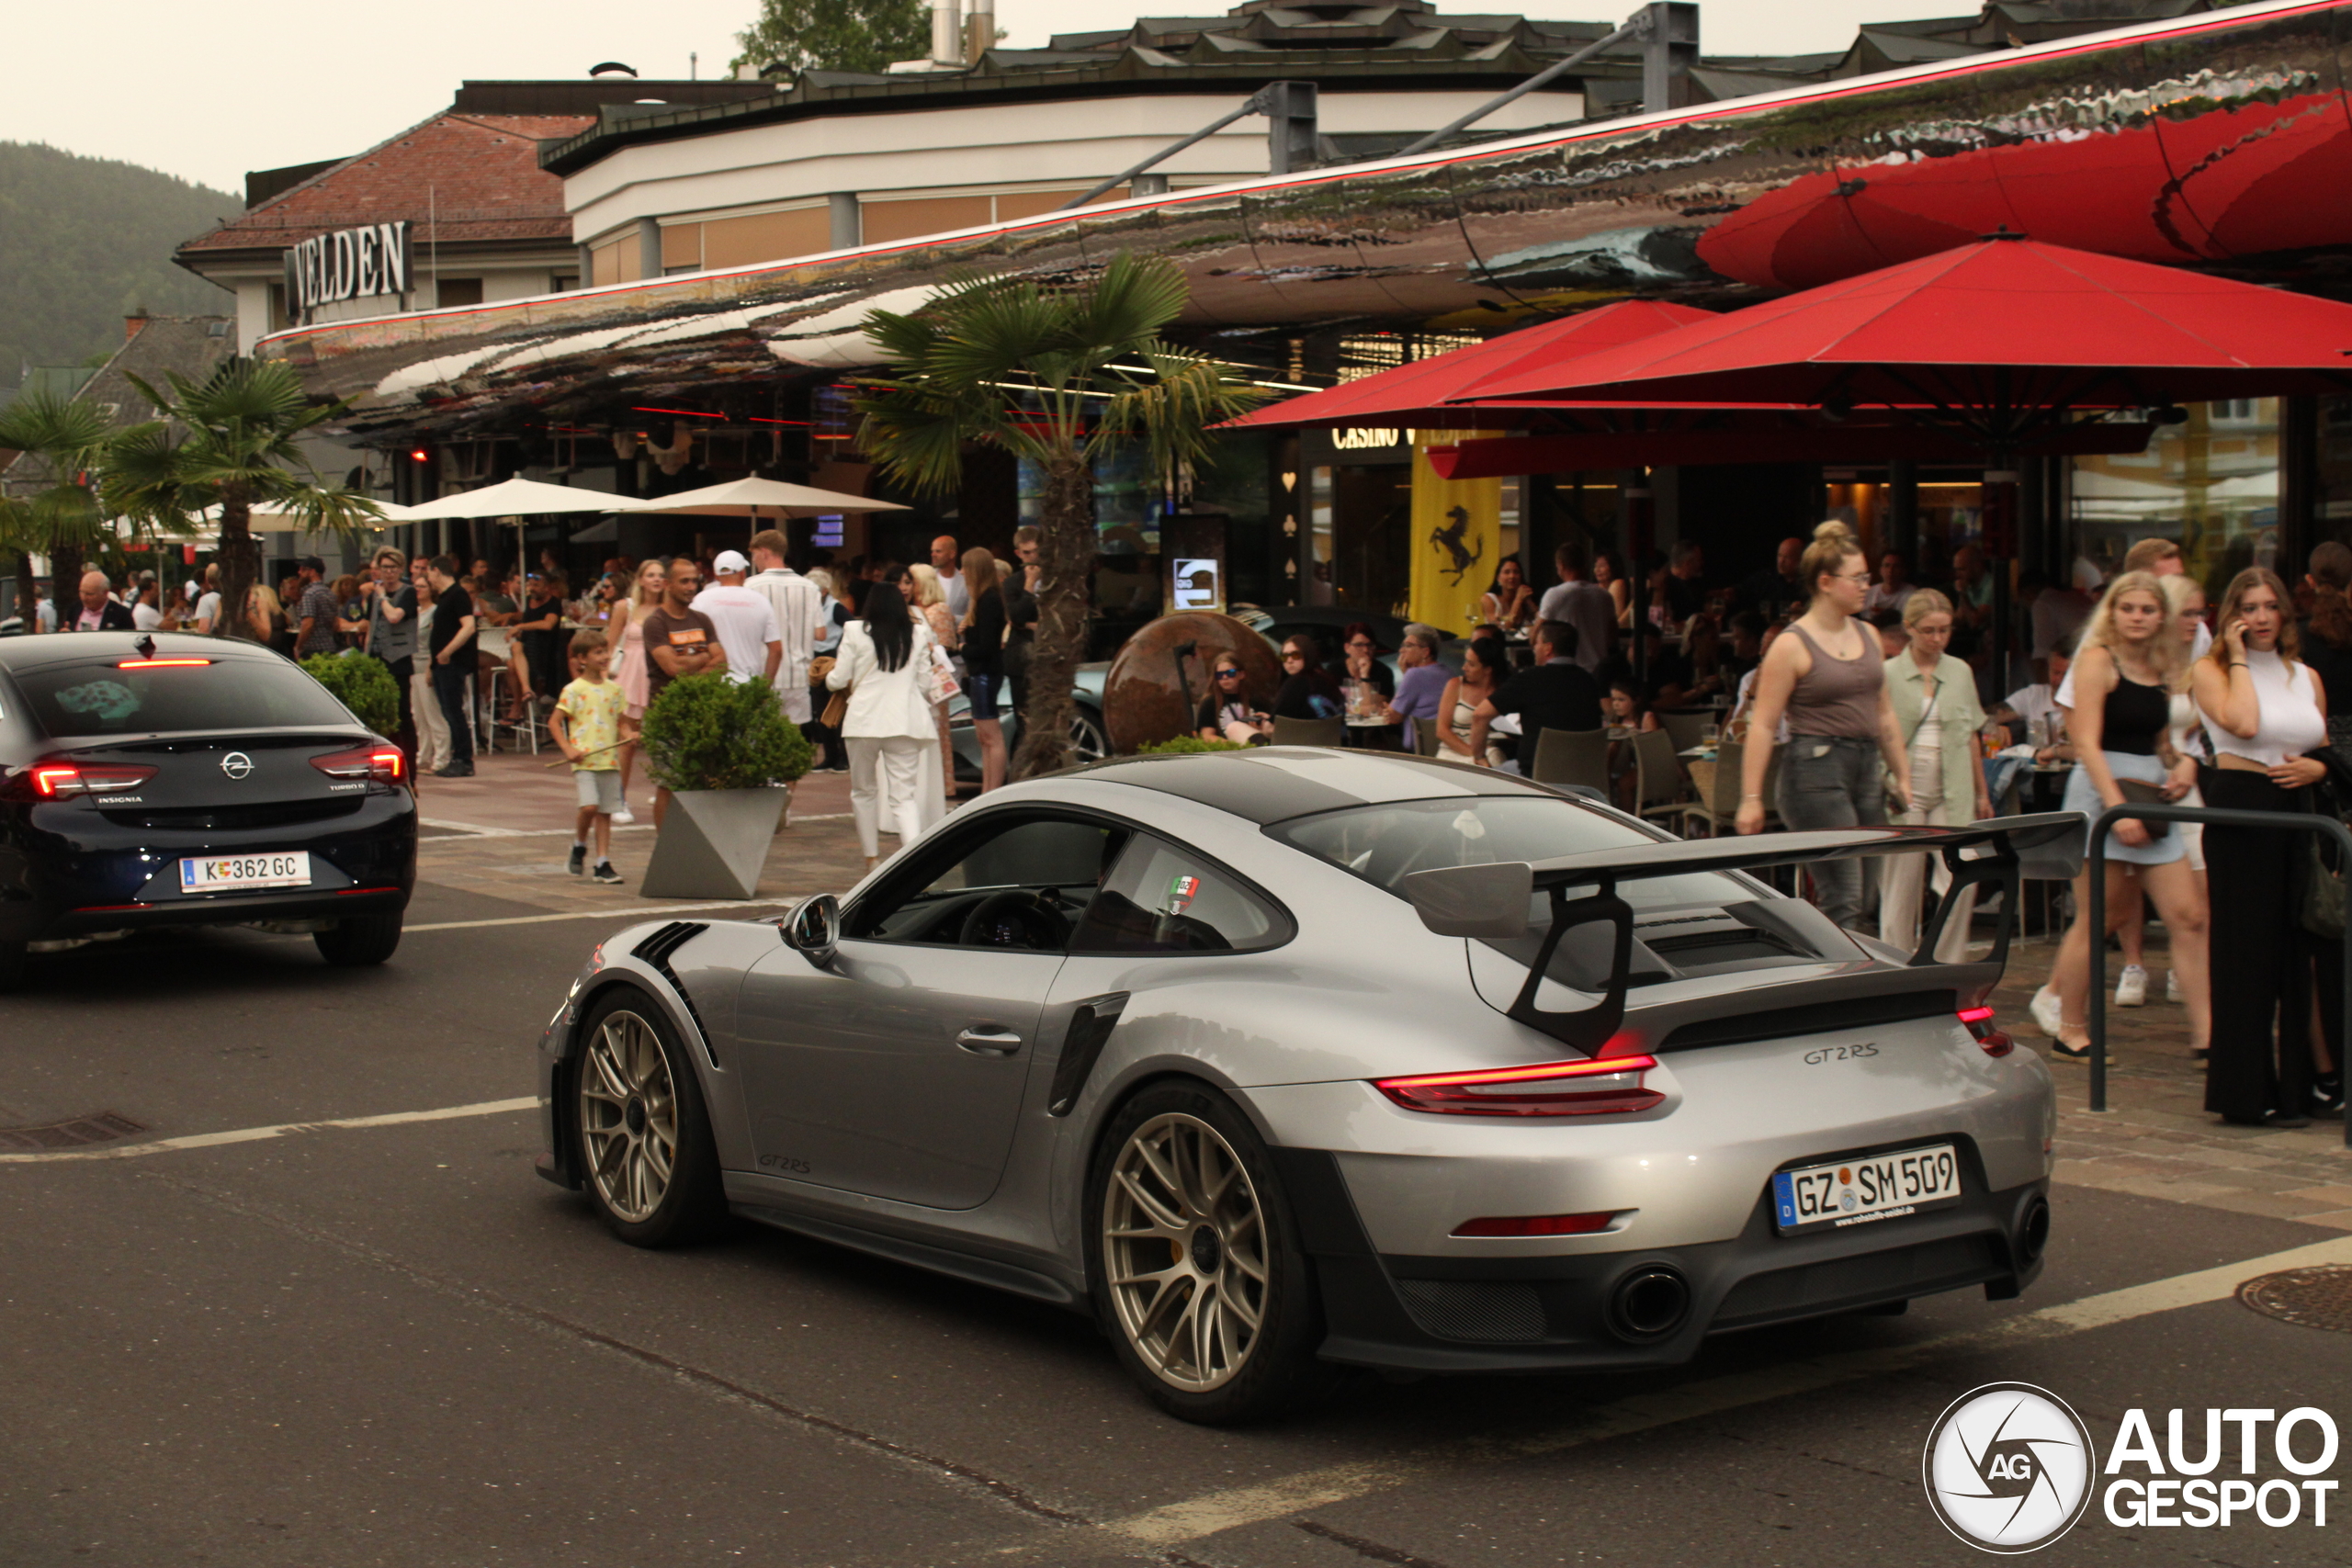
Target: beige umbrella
{"x":515,"y":497}
{"x":750,"y":498}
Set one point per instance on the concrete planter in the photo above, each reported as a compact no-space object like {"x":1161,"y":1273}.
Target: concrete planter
{"x":713,"y":843}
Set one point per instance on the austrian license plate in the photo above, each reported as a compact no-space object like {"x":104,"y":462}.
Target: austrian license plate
{"x":227,"y":872}
{"x":1858,"y":1192}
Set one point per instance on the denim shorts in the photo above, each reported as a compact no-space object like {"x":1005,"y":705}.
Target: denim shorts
{"x":982,"y":691}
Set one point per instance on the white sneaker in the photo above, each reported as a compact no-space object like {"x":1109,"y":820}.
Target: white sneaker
{"x":2044,"y":1008}
{"x":2132,"y":988}
{"x":2172,"y":987}
{"x":624,"y":816}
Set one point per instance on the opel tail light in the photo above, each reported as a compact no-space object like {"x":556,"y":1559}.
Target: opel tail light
{"x":63,"y":781}
{"x":1601,"y":1086}
{"x":1978,"y":1020}
{"x":385,"y":764}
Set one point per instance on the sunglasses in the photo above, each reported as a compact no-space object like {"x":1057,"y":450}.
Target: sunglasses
{"x":1228,"y":675}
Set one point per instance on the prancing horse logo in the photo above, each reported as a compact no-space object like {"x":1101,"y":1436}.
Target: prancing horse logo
{"x":237,"y":765}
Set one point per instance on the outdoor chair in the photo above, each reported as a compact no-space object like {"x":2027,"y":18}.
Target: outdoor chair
{"x":1564,"y":757}
{"x":1686,"y":726}
{"x":1425,"y":734}
{"x":1718,"y":806}
{"x":1309,"y":731}
{"x":1659,"y":782}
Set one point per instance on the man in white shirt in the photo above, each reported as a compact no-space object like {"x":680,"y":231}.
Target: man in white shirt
{"x":1892,"y":591}
{"x":800,"y":608}
{"x":146,"y":613}
{"x":1582,"y":603}
{"x":208,"y":603}
{"x":944,"y":560}
{"x":747,"y":625}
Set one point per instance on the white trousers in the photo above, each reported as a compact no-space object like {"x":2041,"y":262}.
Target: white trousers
{"x":432,"y":728}
{"x":1900,"y":880}
{"x":885,"y":774}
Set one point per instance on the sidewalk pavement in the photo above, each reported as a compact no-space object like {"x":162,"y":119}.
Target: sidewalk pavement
{"x":505,"y":833}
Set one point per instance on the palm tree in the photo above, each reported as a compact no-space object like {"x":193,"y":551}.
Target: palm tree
{"x":1058,"y":377}
{"x":228,"y":440}
{"x":49,"y":503}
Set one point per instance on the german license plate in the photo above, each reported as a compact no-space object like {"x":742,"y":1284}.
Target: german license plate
{"x":1859,"y":1191}
{"x":223,"y":873}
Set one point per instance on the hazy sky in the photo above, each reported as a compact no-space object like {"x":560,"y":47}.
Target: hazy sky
{"x":209,"y":91}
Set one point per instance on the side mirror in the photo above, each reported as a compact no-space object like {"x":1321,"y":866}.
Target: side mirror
{"x":1473,"y":900}
{"x":813,"y":928}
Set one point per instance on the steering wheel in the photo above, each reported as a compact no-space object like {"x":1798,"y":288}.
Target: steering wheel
{"x":1014,"y":917}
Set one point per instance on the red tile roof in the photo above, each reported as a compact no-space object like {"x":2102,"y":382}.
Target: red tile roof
{"x":479,"y":173}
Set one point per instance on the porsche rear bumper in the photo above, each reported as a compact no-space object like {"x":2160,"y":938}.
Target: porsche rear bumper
{"x":1571,"y":1314}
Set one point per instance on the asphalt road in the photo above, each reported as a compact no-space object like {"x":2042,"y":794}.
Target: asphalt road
{"x":395,"y":1345}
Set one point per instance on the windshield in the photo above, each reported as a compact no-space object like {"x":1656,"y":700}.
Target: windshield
{"x":102,"y":696}
{"x":1383,"y":844}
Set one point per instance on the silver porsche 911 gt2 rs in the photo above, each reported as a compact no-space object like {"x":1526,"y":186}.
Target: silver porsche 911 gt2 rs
{"x":1287,"y":1060}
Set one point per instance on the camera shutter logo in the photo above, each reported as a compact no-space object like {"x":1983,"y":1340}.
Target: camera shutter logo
{"x":2008,"y":1466}
{"x":237,"y":765}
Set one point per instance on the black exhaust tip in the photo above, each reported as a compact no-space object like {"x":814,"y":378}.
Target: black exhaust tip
{"x":2033,"y":1230}
{"x":1648,"y":1303}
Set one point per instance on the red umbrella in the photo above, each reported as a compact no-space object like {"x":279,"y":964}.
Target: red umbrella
{"x":1416,"y":395}
{"x":2001,"y":338}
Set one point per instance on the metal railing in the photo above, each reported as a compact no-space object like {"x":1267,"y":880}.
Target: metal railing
{"x":2211,"y":816}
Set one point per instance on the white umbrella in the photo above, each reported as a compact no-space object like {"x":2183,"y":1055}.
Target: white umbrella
{"x":750,"y":498}
{"x":516,"y":498}
{"x":263,"y":518}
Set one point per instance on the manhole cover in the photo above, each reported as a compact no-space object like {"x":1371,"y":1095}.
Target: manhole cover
{"x":98,"y":1128}
{"x":2320,"y":1297}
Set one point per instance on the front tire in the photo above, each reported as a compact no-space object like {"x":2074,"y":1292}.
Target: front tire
{"x":644,"y":1135}
{"x":1199,"y":1281}
{"x":358,"y":941}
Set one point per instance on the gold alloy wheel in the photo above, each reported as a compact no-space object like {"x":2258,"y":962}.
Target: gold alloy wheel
{"x":1185,"y":1252}
{"x":628,"y":1116}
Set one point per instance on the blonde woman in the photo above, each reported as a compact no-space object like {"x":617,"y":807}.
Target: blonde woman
{"x":432,"y":725}
{"x":931,"y":598}
{"x":2130,"y":663}
{"x":1936,"y":707}
{"x":1828,"y":679}
{"x":2265,"y":712}
{"x":626,"y":633}
{"x":983,"y":638}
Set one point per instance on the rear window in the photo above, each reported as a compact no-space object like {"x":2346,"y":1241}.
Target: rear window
{"x":1383,"y":844}
{"x":100,"y":697}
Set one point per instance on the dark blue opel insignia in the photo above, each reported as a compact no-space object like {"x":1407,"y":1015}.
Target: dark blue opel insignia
{"x":157,"y":779}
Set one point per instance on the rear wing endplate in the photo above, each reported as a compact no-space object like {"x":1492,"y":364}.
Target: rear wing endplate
{"x":1491,"y":901}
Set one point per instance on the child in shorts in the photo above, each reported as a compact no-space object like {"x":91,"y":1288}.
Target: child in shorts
{"x":587,"y":723}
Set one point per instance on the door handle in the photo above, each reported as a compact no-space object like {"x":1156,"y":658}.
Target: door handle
{"x":989,"y":1040}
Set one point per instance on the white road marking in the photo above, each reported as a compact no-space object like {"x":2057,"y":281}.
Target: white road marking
{"x":478,"y":831}
{"x":288,"y":1129}
{"x":623,"y":915}
{"x":1213,"y":1512}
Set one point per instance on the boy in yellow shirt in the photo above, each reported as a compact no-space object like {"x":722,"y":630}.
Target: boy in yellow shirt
{"x":587,"y":723}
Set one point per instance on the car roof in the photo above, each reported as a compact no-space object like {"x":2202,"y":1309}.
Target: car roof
{"x":67,"y":648}
{"x":1273,"y":783}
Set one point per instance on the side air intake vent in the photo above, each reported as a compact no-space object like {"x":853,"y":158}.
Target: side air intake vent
{"x":656,"y":950}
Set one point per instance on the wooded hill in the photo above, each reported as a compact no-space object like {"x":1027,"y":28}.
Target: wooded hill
{"x":85,"y":242}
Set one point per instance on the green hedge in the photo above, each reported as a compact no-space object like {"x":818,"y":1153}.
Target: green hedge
{"x":707,"y":732}
{"x":1183,"y":744}
{"x":363,"y":684}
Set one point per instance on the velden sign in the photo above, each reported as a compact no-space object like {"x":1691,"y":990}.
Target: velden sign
{"x":350,"y":264}
{"x":2009,"y":1468}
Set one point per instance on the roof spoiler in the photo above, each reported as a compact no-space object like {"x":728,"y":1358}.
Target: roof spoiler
{"x":1491,"y":901}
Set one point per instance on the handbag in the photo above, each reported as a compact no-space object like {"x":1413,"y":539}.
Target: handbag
{"x":939,"y":683}
{"x":2136,"y":793}
{"x":2323,"y":901}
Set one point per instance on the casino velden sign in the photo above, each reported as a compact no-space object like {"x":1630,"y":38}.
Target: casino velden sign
{"x":2009,"y":1468}
{"x":350,"y":264}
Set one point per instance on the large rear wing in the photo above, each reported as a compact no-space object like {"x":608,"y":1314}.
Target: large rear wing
{"x":1492,"y":901}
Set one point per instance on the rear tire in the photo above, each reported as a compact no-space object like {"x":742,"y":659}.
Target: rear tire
{"x":1199,"y":1281}
{"x":358,"y":941}
{"x":646,"y":1151}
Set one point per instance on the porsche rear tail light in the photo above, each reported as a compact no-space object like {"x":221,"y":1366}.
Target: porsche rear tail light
{"x":383,"y":764}
{"x":1538,"y":1225}
{"x":61,"y":780}
{"x":1601,"y":1086}
{"x":1979,"y":1023}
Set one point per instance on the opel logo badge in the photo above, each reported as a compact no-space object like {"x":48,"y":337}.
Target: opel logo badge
{"x":2008,"y":1468}
{"x":237,"y":765}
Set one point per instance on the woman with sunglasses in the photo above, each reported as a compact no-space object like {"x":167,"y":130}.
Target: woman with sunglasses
{"x":1227,"y":713}
{"x":1307,"y":690}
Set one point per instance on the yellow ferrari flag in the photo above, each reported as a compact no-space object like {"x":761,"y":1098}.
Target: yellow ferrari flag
{"x":1458,"y":537}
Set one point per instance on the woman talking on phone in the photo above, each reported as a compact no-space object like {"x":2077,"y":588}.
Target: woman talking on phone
{"x":1829,"y":681}
{"x":2264,"y":709}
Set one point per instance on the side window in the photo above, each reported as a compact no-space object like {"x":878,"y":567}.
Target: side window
{"x":1160,"y":898}
{"x":1020,"y":881}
